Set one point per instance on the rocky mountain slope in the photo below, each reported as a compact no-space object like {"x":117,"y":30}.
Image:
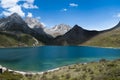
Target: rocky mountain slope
{"x":59,"y":35}
{"x":15,"y":24}
{"x":33,"y":22}
{"x":41,"y":29}
{"x":74,"y":36}
{"x":58,"y":30}
{"x":15,"y":32}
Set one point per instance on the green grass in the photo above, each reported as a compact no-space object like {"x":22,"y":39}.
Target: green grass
{"x":107,"y":39}
{"x":91,"y":71}
{"x":10,"y":76}
{"x":10,"y":40}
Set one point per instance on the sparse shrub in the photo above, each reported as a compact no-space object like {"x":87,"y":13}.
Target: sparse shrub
{"x":77,"y":69}
{"x":74,"y":78}
{"x":10,"y":76}
{"x":68,"y":76}
{"x":55,"y":77}
{"x":43,"y":77}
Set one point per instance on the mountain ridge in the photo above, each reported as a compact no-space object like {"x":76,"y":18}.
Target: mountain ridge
{"x":60,"y":34}
{"x":109,"y":38}
{"x":76,"y":35}
{"x":16,"y":24}
{"x":58,"y":30}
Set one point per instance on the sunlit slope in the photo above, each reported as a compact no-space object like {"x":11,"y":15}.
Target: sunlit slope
{"x":106,"y":39}
{"x":13,"y":40}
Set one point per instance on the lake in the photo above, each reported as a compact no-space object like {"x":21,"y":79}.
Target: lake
{"x":44,"y":58}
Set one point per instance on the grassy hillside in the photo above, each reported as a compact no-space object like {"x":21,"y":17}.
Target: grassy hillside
{"x":16,"y":40}
{"x":10,"y":76}
{"x":106,"y":39}
{"x":102,"y":70}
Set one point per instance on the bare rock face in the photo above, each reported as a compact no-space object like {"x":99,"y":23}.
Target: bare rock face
{"x":41,"y":29}
{"x":58,"y":30}
{"x":75,"y":36}
{"x":61,"y":27}
{"x":34,"y":23}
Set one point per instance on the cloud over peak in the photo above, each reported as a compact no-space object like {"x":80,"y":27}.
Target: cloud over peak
{"x":29,"y":14}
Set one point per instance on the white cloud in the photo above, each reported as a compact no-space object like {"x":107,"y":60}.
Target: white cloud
{"x":12,"y":6}
{"x":65,"y":9}
{"x":8,"y":3}
{"x":29,"y":14}
{"x":5,"y":13}
{"x":29,"y":6}
{"x":30,"y":1}
{"x":73,"y":5}
{"x":43,"y":24}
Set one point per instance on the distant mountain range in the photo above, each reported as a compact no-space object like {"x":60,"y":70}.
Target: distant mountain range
{"x":54,"y":31}
{"x":13,"y":26}
{"x":58,"y":30}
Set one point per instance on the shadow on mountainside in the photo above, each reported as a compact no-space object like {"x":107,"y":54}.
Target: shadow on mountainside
{"x":75,"y":36}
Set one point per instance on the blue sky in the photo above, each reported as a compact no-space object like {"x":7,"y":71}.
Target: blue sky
{"x":89,"y":14}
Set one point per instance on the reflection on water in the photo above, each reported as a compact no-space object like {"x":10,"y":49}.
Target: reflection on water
{"x":49,"y":57}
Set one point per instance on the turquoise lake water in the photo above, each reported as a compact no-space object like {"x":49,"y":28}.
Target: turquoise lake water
{"x":49,"y":57}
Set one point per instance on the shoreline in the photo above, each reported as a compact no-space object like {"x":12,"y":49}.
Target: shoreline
{"x":26,"y":73}
{"x":42,"y":72}
{"x":32,"y":73}
{"x":101,"y":47}
{"x":17,"y":47}
{"x":104,"y":69}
